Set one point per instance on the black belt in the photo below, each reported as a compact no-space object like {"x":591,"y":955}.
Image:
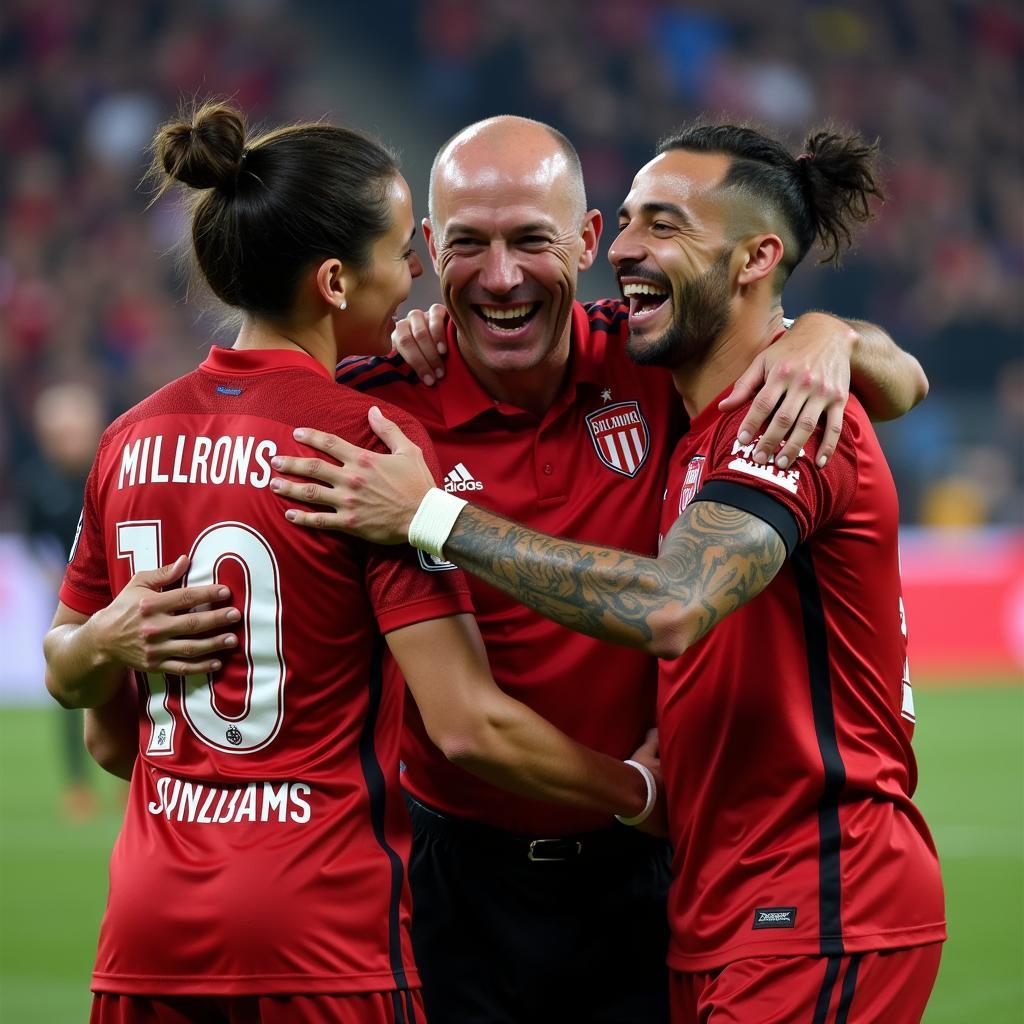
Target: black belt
{"x":615,"y":841}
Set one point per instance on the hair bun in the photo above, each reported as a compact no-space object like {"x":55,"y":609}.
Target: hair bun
{"x":206,"y":152}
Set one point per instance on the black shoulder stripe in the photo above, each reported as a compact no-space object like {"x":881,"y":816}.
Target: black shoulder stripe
{"x":758,"y":503}
{"x":370,"y":383}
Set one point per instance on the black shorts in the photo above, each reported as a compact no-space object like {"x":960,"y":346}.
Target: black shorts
{"x":509,"y":930}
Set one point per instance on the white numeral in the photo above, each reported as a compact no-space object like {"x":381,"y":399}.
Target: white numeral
{"x":262,"y":711}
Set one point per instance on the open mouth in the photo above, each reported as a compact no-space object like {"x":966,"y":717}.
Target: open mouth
{"x":507,"y":319}
{"x":644,"y":299}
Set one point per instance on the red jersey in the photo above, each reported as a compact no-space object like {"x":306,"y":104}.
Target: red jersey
{"x":592,"y":468}
{"x":785,"y":731}
{"x":264,"y":843}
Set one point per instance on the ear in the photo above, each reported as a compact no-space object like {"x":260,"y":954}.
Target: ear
{"x":760,"y":256}
{"x":428,"y":237}
{"x":591,"y":232}
{"x":332,"y":283}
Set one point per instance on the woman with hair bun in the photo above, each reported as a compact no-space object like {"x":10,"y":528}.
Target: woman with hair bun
{"x":260,"y":872}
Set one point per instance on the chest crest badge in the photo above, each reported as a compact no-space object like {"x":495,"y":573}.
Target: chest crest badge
{"x":691,"y":483}
{"x":621,"y":437}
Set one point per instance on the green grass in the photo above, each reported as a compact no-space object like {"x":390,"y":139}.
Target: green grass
{"x":970,"y":745}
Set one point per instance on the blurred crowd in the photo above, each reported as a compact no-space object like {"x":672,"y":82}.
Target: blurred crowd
{"x":88,"y":293}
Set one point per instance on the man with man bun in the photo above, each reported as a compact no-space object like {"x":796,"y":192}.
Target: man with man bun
{"x":703,"y":299}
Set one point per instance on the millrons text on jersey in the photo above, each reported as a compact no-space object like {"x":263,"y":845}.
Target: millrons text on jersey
{"x":188,"y":459}
{"x":182,"y":800}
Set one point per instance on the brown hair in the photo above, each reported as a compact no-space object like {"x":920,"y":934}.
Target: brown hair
{"x":273,"y":205}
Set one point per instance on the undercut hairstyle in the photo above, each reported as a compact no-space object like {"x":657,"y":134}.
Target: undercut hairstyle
{"x":822,"y":195}
{"x":565,"y":147}
{"x":268,"y":207}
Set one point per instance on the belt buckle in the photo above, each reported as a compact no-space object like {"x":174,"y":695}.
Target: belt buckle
{"x":569,"y":848}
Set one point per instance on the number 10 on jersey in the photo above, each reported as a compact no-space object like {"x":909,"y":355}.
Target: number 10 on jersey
{"x":262,"y":707}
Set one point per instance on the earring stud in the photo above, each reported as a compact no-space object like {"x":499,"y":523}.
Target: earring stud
{"x":343,"y":304}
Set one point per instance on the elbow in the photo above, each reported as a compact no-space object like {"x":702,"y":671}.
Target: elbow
{"x":672,"y":631}
{"x":61,"y":694}
{"x":468,"y":740}
{"x":923,"y":386}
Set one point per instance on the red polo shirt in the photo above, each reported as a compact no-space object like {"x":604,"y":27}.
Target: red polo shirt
{"x":591,"y":468}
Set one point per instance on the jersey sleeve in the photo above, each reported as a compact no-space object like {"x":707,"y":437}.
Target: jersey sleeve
{"x":86,"y":586}
{"x":408,"y":586}
{"x":795,"y":501}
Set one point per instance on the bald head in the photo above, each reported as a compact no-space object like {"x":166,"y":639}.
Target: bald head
{"x":512,"y":150}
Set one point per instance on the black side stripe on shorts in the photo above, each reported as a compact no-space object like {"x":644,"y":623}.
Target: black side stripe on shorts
{"x":829,"y":880}
{"x":846,"y":996}
{"x":827,"y":987}
{"x":375,"y":789}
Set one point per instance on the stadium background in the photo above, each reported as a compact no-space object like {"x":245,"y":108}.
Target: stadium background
{"x":88,"y":294}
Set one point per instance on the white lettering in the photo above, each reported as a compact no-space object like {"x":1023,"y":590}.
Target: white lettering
{"x":144,"y":460}
{"x":200,"y":454}
{"x":240,"y":457}
{"x":219,"y":461}
{"x":203,"y":818}
{"x":129,"y":464}
{"x":177,"y":476}
{"x":265,"y":451}
{"x":202,"y":804}
{"x":301,"y":813}
{"x":275,"y":799}
{"x":161,"y":791}
{"x":156,"y":477}
{"x":189,"y":801}
{"x":247,"y":812}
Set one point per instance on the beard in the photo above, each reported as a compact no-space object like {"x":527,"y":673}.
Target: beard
{"x":700,"y":313}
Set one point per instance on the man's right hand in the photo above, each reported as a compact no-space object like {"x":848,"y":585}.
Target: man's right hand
{"x":156,"y":630}
{"x":420,"y":340}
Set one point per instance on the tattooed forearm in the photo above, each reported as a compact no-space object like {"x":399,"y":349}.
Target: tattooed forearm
{"x":714,"y":559}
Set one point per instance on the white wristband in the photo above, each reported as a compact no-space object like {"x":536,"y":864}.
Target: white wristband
{"x":652,"y":796}
{"x":434,"y":519}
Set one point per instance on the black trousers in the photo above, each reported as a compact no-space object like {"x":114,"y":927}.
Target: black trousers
{"x":572,"y":931}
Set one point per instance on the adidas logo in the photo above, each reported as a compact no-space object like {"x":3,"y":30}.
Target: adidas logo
{"x":460,"y":479}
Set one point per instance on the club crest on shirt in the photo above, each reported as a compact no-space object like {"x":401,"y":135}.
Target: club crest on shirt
{"x":621,"y":437}
{"x":743,"y":462}
{"x":691,"y":483}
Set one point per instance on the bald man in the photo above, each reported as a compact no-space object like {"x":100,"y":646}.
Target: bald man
{"x":526,"y":913}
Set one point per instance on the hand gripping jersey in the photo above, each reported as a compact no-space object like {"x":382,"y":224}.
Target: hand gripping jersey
{"x":265,"y":838}
{"x":592,"y":468}
{"x":785,"y":731}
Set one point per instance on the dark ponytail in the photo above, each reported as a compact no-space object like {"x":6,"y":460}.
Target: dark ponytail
{"x":839,"y":175}
{"x":821,"y":195}
{"x":271,"y":206}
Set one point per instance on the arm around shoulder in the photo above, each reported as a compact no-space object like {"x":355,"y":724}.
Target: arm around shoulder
{"x":888,"y":380}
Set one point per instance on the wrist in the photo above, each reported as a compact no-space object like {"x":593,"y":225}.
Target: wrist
{"x":433,"y":521}
{"x":650,"y":800}
{"x":94,"y":640}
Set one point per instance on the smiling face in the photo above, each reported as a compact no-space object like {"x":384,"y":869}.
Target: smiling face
{"x":673,"y":258}
{"x":374,"y":293}
{"x":508,"y":236}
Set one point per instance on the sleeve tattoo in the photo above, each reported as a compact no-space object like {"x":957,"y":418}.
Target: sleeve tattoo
{"x":714,"y":559}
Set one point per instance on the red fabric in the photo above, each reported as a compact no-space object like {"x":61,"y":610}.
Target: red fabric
{"x":356,"y":1008}
{"x":547,"y":473}
{"x":891,"y":986}
{"x":786,"y":730}
{"x":265,"y":837}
